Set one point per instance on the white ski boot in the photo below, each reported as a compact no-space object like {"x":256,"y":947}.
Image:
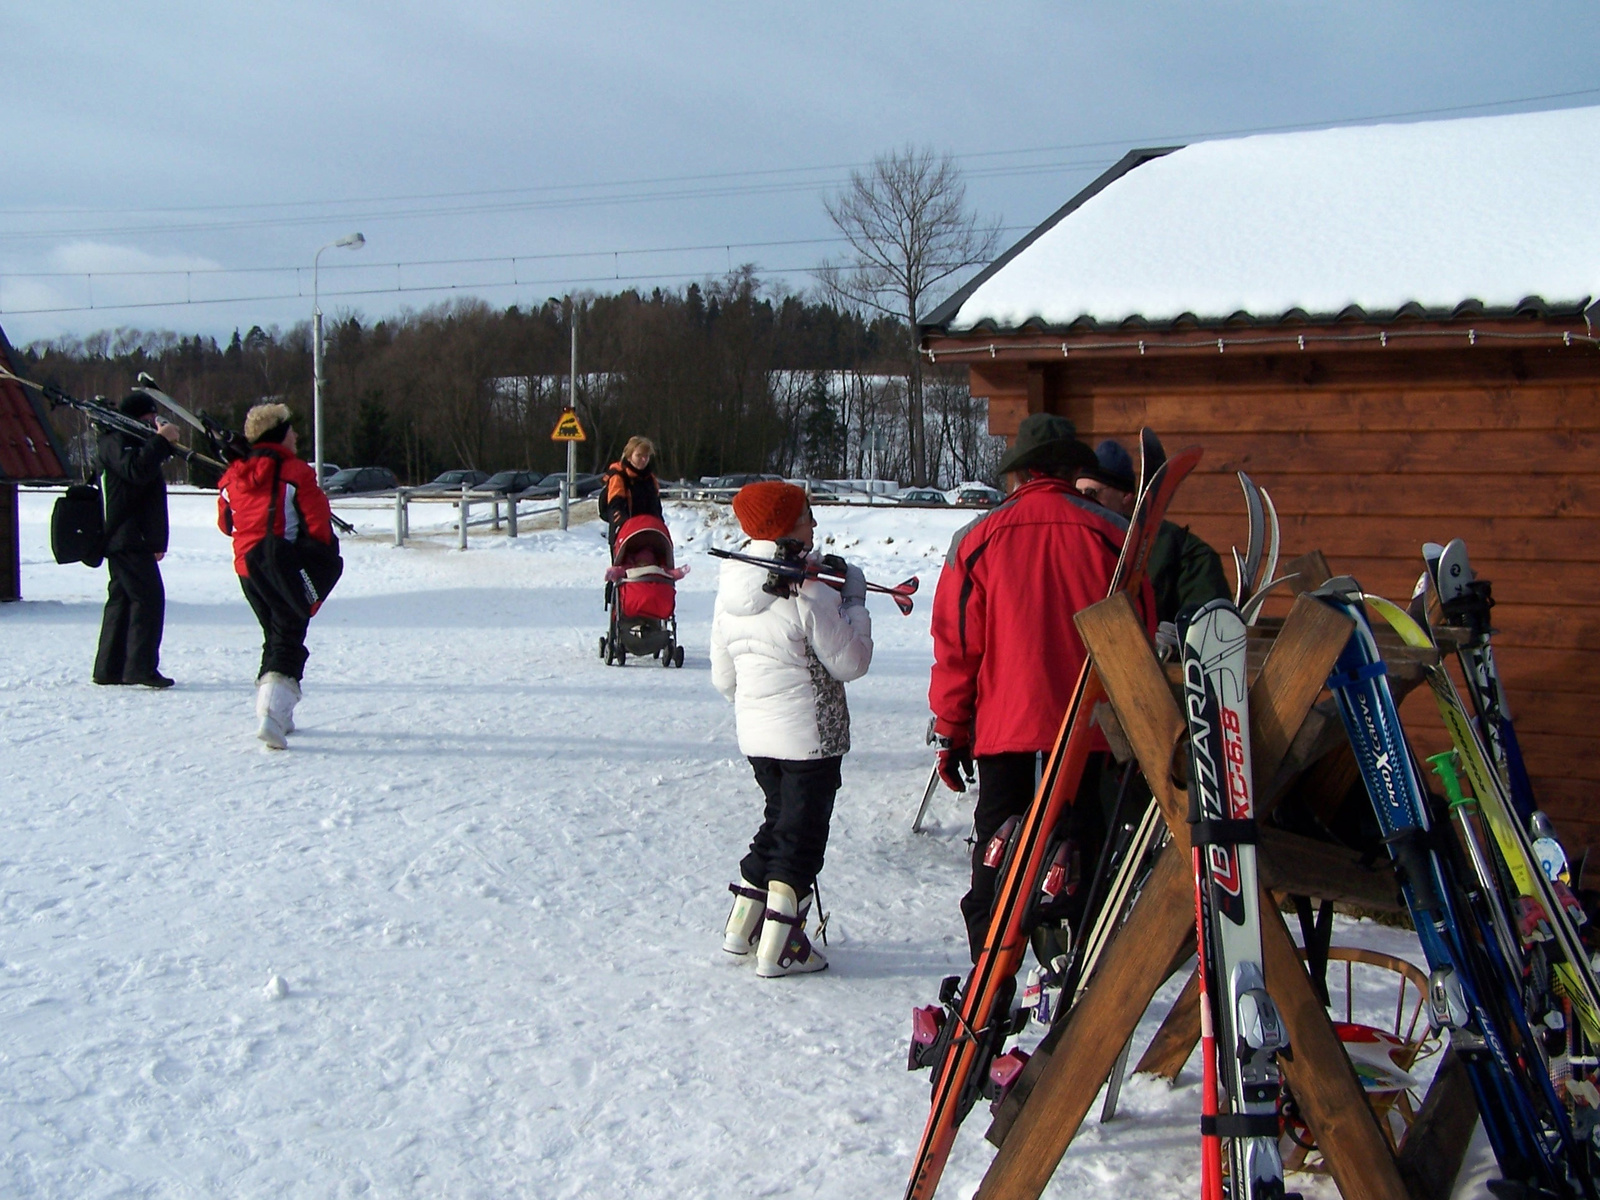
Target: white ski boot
{"x":276,"y":696}
{"x":785,"y":949}
{"x":743,"y":931}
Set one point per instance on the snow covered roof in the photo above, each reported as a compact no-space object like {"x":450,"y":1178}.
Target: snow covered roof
{"x":1486,"y":214}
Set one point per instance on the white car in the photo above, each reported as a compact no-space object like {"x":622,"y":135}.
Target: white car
{"x":916,"y":495}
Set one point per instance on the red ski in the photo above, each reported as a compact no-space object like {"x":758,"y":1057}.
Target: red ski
{"x":967,"y":1037}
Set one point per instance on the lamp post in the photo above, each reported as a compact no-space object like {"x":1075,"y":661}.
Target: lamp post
{"x":352,"y":241}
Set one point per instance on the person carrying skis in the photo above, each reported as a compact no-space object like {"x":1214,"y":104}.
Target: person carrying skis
{"x":1007,"y":654}
{"x":630,"y":487}
{"x":782,"y":652}
{"x":246,"y":499}
{"x":1183,"y":569}
{"x":136,"y":540}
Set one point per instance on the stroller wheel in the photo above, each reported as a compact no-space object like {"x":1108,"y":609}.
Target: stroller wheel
{"x":677,"y":657}
{"x":665,"y":656}
{"x":602,"y":646}
{"x":622,"y":657}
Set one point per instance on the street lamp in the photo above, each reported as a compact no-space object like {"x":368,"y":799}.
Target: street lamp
{"x":351,"y":241}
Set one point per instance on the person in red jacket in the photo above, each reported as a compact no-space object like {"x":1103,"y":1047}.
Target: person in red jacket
{"x":244,"y":503}
{"x":1007,"y":654}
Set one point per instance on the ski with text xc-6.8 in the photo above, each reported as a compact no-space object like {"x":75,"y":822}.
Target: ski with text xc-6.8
{"x":1241,"y":1030}
{"x":962,"y":1039}
{"x":1474,"y":991}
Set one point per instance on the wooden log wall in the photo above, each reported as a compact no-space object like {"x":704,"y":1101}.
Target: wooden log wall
{"x":1368,"y":453}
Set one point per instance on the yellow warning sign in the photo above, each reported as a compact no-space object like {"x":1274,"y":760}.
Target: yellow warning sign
{"x":568,"y":428}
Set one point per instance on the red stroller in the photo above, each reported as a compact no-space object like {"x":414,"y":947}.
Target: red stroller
{"x":641,"y":593}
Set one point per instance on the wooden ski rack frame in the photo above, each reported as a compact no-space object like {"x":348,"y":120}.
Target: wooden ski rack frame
{"x":1289,"y":733}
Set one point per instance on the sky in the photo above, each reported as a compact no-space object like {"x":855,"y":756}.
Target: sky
{"x":178,"y":166}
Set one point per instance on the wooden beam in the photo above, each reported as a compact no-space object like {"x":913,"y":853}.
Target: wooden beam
{"x":1301,"y":866}
{"x":1106,"y":1015}
{"x":1175,"y":1041}
{"x":1325,"y":1084}
{"x":1435,"y":1145}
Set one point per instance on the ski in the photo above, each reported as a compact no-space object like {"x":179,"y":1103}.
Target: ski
{"x":1473,"y":991}
{"x":1557,"y":909}
{"x":798,"y":570}
{"x":962,"y":1040}
{"x":1234,"y":999}
{"x":1465,"y":600}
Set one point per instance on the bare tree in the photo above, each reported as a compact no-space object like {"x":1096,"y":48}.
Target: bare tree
{"x":909,"y":229}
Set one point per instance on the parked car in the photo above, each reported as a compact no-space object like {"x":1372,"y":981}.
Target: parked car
{"x":916,"y":495}
{"x":451,"y":481}
{"x":732,"y":483}
{"x":549,"y":487}
{"x":352,"y":480}
{"x":975,"y":493}
{"x":329,"y":470}
{"x":509,"y":483}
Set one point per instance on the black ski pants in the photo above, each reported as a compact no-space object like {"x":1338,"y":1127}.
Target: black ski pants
{"x":793,"y":837}
{"x":135,"y":612}
{"x":1006,"y":787}
{"x":283,"y":633}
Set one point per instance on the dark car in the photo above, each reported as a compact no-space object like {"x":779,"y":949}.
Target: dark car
{"x":549,"y":487}
{"x":352,"y":480}
{"x":452,"y":481}
{"x":509,"y":483}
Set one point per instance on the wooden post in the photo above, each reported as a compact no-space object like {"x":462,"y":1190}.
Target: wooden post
{"x":1331,"y":1097}
{"x":10,"y":544}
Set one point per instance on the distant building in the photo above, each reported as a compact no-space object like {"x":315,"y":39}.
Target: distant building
{"x":29,"y":453}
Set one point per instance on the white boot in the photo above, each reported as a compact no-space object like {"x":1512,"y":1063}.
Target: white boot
{"x":784,"y":948}
{"x":745,"y":921}
{"x":276,"y":696}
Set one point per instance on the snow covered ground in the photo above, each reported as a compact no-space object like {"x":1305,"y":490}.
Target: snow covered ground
{"x":490,"y":873}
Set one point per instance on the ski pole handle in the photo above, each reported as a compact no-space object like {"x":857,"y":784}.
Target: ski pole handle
{"x":1444,"y":766}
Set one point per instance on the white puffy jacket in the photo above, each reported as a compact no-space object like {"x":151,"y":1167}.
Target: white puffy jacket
{"x":784,"y":661}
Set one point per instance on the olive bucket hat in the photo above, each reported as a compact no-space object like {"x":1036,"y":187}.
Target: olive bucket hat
{"x":1045,"y":440}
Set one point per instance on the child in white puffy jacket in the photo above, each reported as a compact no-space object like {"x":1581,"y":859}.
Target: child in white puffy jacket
{"x":784,"y":660}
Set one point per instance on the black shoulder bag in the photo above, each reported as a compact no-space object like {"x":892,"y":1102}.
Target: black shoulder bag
{"x":298,"y":574}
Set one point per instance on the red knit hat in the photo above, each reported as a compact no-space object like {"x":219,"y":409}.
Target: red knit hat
{"x":769,"y":509}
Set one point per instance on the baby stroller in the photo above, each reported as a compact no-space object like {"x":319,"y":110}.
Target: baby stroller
{"x":641,"y":592}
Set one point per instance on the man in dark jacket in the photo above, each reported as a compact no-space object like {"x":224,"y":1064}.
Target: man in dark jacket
{"x":136,"y":540}
{"x":1183,"y":569}
{"x":1007,"y":654}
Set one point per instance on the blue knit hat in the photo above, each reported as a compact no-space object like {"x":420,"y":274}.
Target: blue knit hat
{"x":1114,"y":467}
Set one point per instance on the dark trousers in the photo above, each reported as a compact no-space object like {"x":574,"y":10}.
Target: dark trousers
{"x":130,"y":628}
{"x":793,"y":836}
{"x":1006,"y":787}
{"x":283,"y":634}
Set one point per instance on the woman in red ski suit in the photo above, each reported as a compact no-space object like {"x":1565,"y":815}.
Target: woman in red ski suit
{"x":244,"y":502}
{"x":1006,"y":652}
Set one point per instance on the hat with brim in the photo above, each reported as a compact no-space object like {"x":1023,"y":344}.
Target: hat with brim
{"x":1047,"y":442}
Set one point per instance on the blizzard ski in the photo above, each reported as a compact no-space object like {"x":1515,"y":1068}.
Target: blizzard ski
{"x":1473,"y":991}
{"x":962,"y":1040}
{"x":1248,"y":1031}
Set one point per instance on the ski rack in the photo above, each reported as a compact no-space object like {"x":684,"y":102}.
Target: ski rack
{"x":1290,"y":732}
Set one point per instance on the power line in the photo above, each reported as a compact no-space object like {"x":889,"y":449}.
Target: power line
{"x":656,"y":190}
{"x":402,"y":289}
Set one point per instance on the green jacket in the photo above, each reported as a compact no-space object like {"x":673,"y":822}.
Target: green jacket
{"x":1183,"y":571}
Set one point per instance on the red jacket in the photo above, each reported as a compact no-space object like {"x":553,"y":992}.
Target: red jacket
{"x":243,"y":501}
{"x":1006,"y":655}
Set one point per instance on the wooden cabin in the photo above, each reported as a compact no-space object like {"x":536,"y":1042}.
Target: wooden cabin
{"x":1391,"y":328}
{"x":29,"y":453}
